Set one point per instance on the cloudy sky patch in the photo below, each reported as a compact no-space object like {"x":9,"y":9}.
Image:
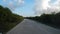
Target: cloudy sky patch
{"x":12,"y":4}
{"x":47,"y":6}
{"x":32,"y":7}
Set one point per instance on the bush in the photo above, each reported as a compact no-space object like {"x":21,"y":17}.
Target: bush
{"x":8,"y":19}
{"x":48,"y":19}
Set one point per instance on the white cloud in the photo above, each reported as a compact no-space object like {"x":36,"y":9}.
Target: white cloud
{"x":19,"y":1}
{"x":45,"y":6}
{"x":4,"y":0}
{"x":12,"y":4}
{"x":15,"y":0}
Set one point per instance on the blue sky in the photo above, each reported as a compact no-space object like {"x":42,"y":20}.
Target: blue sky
{"x":27,"y":9}
{"x":24,"y":10}
{"x":31,"y":7}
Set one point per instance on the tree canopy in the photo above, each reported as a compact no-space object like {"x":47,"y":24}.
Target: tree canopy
{"x":48,"y":19}
{"x":8,"y":19}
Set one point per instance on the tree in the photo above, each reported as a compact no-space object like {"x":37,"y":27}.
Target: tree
{"x":8,"y":19}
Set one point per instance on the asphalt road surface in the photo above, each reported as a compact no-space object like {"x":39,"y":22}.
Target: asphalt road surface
{"x":32,"y":27}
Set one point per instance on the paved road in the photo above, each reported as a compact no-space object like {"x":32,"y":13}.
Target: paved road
{"x":31,"y":27}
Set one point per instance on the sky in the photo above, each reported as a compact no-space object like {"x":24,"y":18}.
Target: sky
{"x":31,"y":7}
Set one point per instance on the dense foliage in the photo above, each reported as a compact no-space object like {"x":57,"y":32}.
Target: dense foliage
{"x":49,"y":19}
{"x":8,"y":19}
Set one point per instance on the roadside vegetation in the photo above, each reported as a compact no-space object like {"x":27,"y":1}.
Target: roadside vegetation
{"x":8,"y":19}
{"x":52,"y":20}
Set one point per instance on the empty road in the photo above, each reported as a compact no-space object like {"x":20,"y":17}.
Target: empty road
{"x":32,"y":27}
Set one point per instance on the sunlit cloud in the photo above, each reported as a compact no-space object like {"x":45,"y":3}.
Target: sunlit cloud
{"x":46,"y":6}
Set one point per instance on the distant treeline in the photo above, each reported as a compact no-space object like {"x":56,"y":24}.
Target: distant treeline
{"x":48,"y":19}
{"x":8,"y":19}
